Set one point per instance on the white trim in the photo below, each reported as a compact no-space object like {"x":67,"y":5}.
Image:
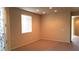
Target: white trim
{"x":72,"y":27}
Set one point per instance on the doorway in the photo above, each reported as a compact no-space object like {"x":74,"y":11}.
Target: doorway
{"x":75,"y":29}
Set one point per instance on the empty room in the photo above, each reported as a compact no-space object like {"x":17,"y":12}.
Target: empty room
{"x":39,"y":29}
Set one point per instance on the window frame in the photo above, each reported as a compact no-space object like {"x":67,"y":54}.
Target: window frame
{"x":29,"y":25}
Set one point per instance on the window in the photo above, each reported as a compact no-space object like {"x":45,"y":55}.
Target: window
{"x":26,"y":23}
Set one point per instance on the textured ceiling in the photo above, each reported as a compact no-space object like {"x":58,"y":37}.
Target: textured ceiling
{"x":47,"y":10}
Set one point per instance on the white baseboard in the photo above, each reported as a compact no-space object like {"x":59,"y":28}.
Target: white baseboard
{"x":23,"y":44}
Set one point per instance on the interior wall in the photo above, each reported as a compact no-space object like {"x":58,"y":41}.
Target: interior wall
{"x":7,"y":29}
{"x":76,"y":26}
{"x":76,"y":13}
{"x":17,"y":38}
{"x":56,"y":26}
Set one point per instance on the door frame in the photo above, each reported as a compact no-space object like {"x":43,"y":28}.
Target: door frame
{"x":72,"y":26}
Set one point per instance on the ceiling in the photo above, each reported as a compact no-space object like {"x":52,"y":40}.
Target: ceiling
{"x":47,"y":10}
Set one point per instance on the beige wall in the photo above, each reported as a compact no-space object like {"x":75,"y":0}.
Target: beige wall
{"x":56,"y":26}
{"x":7,"y":29}
{"x":76,"y":13}
{"x":76,"y":26}
{"x":17,"y":38}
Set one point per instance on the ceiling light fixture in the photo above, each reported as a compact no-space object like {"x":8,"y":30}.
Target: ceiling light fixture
{"x":44,"y":12}
{"x":55,"y":10}
{"x":37,"y":10}
{"x":50,"y":7}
